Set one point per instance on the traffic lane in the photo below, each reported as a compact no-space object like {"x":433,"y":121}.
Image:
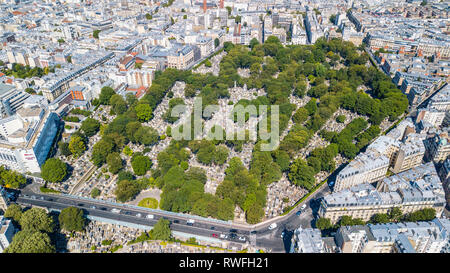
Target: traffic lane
{"x":83,"y":203}
{"x":177,"y":226}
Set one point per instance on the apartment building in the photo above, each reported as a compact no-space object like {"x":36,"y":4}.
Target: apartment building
{"x":7,"y":232}
{"x":420,"y":237}
{"x":412,"y":190}
{"x":26,"y":137}
{"x":399,"y":150}
{"x":181,"y":58}
{"x":438,"y":147}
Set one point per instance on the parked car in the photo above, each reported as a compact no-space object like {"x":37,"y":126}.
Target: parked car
{"x":190,"y":222}
{"x":272,"y":226}
{"x":223,"y":236}
{"x":242,"y":239}
{"x":150,"y":216}
{"x":303,"y":207}
{"x":139,"y":215}
{"x":215,"y":235}
{"x":298,"y":213}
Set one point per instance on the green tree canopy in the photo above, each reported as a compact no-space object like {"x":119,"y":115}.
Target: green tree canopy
{"x":126,"y":190}
{"x":105,"y":95}
{"x":141,"y":164}
{"x":27,"y":241}
{"x":161,"y":230}
{"x":72,"y":219}
{"x":36,"y":219}
{"x":54,"y":170}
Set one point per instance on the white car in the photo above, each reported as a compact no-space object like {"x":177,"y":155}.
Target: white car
{"x":303,"y":207}
{"x":242,"y":239}
{"x":138,"y":215}
{"x":223,"y":236}
{"x":150,"y":216}
{"x":272,"y":226}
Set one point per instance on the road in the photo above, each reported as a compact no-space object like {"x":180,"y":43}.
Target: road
{"x":258,"y":235}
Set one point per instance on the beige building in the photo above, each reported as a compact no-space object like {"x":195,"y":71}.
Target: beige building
{"x":181,"y":59}
{"x":438,"y":147}
{"x":412,"y":190}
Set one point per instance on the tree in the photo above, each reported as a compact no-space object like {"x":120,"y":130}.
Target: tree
{"x":100,"y":151}
{"x":161,"y":230}
{"x":148,"y":16}
{"x":30,"y":242}
{"x":216,"y":42}
{"x":395,"y":214}
{"x":11,"y":178}
{"x":76,"y":146}
{"x":14,"y":212}
{"x":95,"y":33}
{"x":143,"y":112}
{"x":54,"y":170}
{"x":253,"y":42}
{"x":114,"y":162}
{"x":341,"y":118}
{"x":126,"y":190}
{"x":72,"y":219}
{"x":90,"y":126}
{"x":36,"y":219}
{"x":300,"y":116}
{"x":64,"y":148}
{"x":379,"y":218}
{"x":95,"y":192}
{"x":141,"y":164}
{"x":323,"y":223}
{"x":119,"y":105}
{"x":254,"y":214}
{"x":105,"y":95}
{"x":302,"y":174}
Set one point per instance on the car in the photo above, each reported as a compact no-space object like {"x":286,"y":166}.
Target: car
{"x":215,"y":235}
{"x":150,"y":216}
{"x":241,"y":238}
{"x":138,"y":215}
{"x":298,"y":213}
{"x":115,"y":210}
{"x":223,"y":236}
{"x":93,"y":207}
{"x":176,"y":221}
{"x":303,"y":207}
{"x":127,"y":213}
{"x":233,"y":230}
{"x":103,"y":208}
{"x":190,"y":222}
{"x":254,"y":232}
{"x":42,"y":198}
{"x":272,"y":226}
{"x":233,"y":235}
{"x":282,"y":234}
{"x":80,"y":204}
{"x":212,"y":228}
